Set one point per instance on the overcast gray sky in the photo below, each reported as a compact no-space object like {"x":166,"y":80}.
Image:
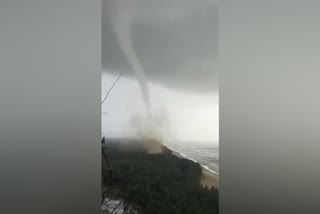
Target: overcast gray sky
{"x":176,"y":42}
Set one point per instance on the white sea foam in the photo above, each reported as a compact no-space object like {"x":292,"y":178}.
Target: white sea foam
{"x":207,"y":168}
{"x":198,"y":157}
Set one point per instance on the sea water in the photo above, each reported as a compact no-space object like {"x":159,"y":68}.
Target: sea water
{"x":206,"y":154}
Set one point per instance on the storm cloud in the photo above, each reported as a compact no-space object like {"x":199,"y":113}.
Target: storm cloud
{"x":176,"y":42}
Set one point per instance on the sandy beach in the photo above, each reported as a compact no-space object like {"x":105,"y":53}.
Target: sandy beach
{"x":209,"y":179}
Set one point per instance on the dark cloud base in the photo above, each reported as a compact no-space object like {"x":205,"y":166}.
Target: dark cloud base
{"x":180,"y":55}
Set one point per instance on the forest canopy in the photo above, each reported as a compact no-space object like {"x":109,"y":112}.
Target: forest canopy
{"x":157,"y":183}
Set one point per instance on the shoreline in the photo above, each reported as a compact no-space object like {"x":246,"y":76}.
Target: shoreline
{"x":209,"y":178}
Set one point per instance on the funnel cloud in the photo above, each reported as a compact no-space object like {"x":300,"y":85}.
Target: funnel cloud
{"x":120,"y":14}
{"x":170,"y":42}
{"x":168,"y":51}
